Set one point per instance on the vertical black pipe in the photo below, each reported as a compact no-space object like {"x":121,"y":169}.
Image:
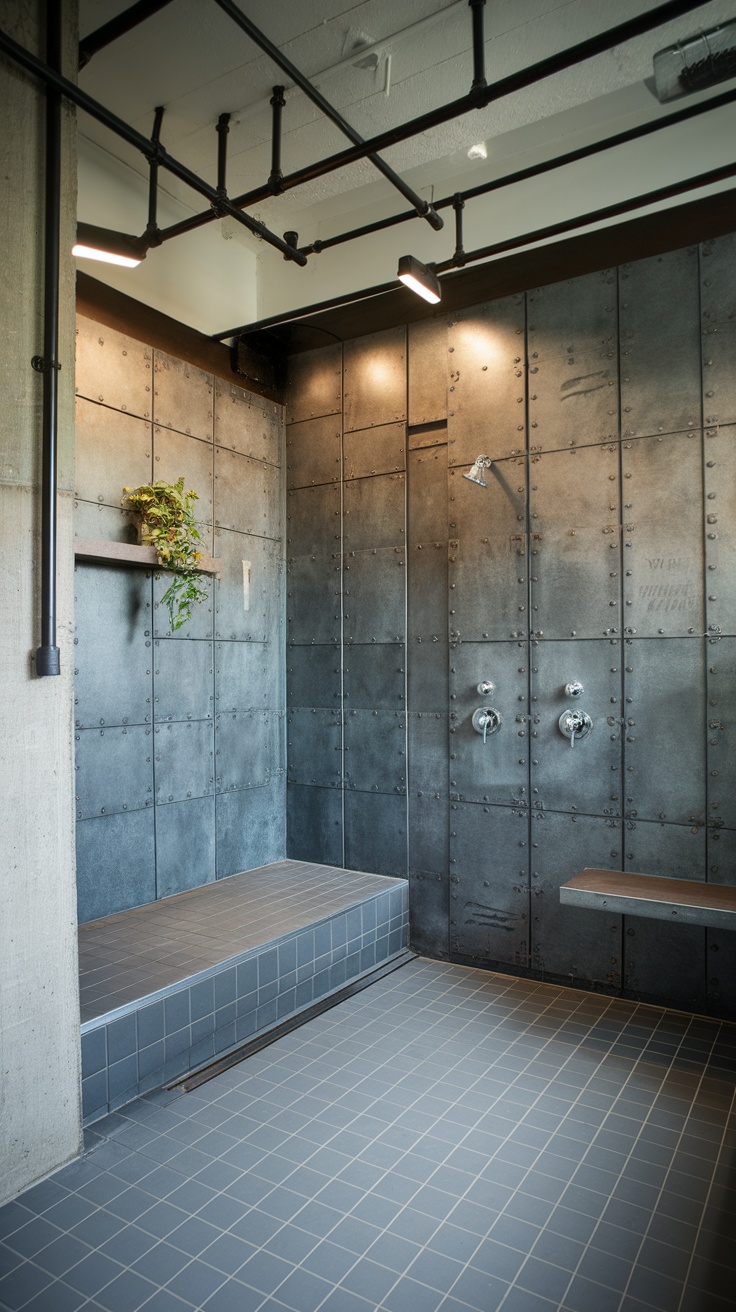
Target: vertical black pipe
{"x":223,"y":128}
{"x":458,"y":204}
{"x":153,"y":236}
{"x":47,"y":655}
{"x":277,"y":104}
{"x":479,"y":51}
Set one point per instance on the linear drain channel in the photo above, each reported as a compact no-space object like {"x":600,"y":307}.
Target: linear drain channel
{"x":233,"y":1058}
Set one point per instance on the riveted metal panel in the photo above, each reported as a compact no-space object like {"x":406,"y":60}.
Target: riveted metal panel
{"x":374,"y":595}
{"x":247,"y":676}
{"x":247,"y":423}
{"x":114,"y":770}
{"x":720,"y":538}
{"x":427,"y":371}
{"x":375,"y":751}
{"x":379,"y":450}
{"x":374,"y":379}
{"x":487,"y":387}
{"x":663,"y":535}
{"x":574,"y":504}
{"x":429,"y":845}
{"x":427,"y":674}
{"x":313,"y":676}
{"x":104,"y":522}
{"x":720,"y":962}
{"x":487,"y":554}
{"x":664,"y":750}
{"x":572,"y":317}
{"x":182,"y":396}
{"x":428,"y":917}
{"x":427,"y":626}
{"x":313,"y":520}
{"x":582,"y":775}
{"x":250,"y":828}
{"x":105,"y":883}
{"x":496,"y":770}
{"x":315,"y":384}
{"x":660,"y":347}
{"x":664,"y":962}
{"x":113,"y":451}
{"x":573,"y":399}
{"x":718,"y":300}
{"x":567,"y":941}
{"x":200,"y":624}
{"x":184,"y":758}
{"x":374,"y":512}
{"x":177,"y":456}
{"x":721,"y":723}
{"x":247,"y":495}
{"x":249,"y":591}
{"x":112,"y":647}
{"x":246,"y":749}
{"x":375,"y":833}
{"x":185,"y":845}
{"x":113,"y":369}
{"x":314,"y":746}
{"x":313,"y":599}
{"x":374,"y":677}
{"x":428,"y":756}
{"x":183,"y":680}
{"x":427,"y":495}
{"x":489,"y":883}
{"x":313,"y":452}
{"x":314,"y":824}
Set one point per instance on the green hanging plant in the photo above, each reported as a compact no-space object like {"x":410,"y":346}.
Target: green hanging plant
{"x":164,"y":512}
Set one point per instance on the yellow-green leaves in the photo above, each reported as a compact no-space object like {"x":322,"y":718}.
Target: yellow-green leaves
{"x":164,"y":511}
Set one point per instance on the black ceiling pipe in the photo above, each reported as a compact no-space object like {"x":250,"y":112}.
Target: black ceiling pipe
{"x":124,"y":22}
{"x":47,"y":655}
{"x":479,"y":47}
{"x":276,"y":174}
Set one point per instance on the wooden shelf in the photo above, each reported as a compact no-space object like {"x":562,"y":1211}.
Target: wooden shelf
{"x":125,"y":553}
{"x":684,"y":901}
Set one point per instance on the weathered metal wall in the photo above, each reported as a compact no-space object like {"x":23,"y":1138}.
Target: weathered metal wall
{"x":179,"y":737}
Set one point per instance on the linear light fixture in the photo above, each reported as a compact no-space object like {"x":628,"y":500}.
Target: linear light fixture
{"x":422,"y":280}
{"x":111,"y":247}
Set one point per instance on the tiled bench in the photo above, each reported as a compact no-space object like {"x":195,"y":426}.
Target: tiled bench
{"x":167,"y":987}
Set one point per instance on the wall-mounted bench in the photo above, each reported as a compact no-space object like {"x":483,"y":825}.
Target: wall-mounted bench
{"x":682,"y":900}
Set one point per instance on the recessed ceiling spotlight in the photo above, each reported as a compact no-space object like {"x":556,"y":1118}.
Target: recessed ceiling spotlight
{"x":478,"y":151}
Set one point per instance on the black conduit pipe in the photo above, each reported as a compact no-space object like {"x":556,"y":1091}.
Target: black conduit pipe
{"x":47,"y":655}
{"x":125,"y":22}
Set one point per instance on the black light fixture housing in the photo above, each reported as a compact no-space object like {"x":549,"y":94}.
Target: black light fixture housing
{"x":111,"y":247}
{"x":422,"y":280}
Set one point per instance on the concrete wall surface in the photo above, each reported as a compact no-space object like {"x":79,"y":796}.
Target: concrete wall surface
{"x":39,"y":1003}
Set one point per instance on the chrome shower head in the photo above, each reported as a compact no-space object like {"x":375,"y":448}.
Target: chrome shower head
{"x":475,"y":475}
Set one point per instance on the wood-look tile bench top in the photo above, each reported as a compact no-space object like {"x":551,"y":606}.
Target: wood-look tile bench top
{"x":682,"y":900}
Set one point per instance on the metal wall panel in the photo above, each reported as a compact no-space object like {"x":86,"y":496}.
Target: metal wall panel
{"x":663,"y":535}
{"x":313,"y":452}
{"x":720,"y":538}
{"x":247,"y":423}
{"x":573,"y":317}
{"x":200,"y":624}
{"x":177,"y":456}
{"x":313,"y":520}
{"x":375,"y":833}
{"x":247,"y":495}
{"x":247,"y":676}
{"x":374,"y":677}
{"x":315,"y":384}
{"x":113,"y":369}
{"x":721,"y":749}
{"x":660,"y":346}
{"x":489,"y":883}
{"x":427,"y":348}
{"x":313,"y":676}
{"x":375,"y":451}
{"x":429,"y":845}
{"x":487,"y":567}
{"x":427,"y":674}
{"x":185,"y":845}
{"x":185,"y":760}
{"x":496,"y":770}
{"x":183,"y":396}
{"x":313,"y":599}
{"x":249,"y":591}
{"x":250,"y":828}
{"x":113,"y":451}
{"x":575,"y":585}
{"x":375,"y":751}
{"x":718,"y":301}
{"x":427,"y":495}
{"x":665,"y":962}
{"x":487,"y":387}
{"x":374,"y":512}
{"x":246,"y":749}
{"x":112,"y":649}
{"x":428,"y":914}
{"x":113,"y":770}
{"x":105,"y":883}
{"x":374,"y":379}
{"x":573,"y":400}
{"x":582,"y":775}
{"x":314,"y":746}
{"x":428,"y":759}
{"x":183,"y":680}
{"x":720,"y":962}
{"x":104,"y":522}
{"x":374,"y":595}
{"x":568,"y":941}
{"x":314,"y":824}
{"x":664,"y":749}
